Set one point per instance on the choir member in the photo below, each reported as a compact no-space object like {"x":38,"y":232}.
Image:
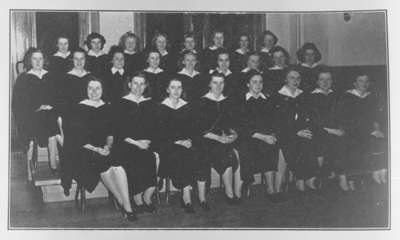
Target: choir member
{"x":269,"y":41}
{"x":258,"y":148}
{"x":168,"y":61}
{"x":177,"y":156}
{"x":189,"y":43}
{"x":216,"y":124}
{"x":253,"y":64}
{"x":194,"y":83}
{"x":116,"y":77}
{"x":136,"y":125}
{"x":134,"y":59}
{"x":210,"y":54}
{"x":275,"y":75}
{"x":97,"y":59}
{"x":60,"y":62}
{"x":34,"y":106}
{"x":308,"y":56}
{"x":156,"y":77}
{"x":240,"y":55}
{"x":298,"y":131}
{"x":91,"y":131}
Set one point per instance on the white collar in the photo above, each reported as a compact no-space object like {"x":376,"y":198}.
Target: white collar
{"x":213,"y":47}
{"x":357,"y":93}
{"x":93,"y":54}
{"x":264,"y":49}
{"x":75,"y":73}
{"x":91,"y":103}
{"x":132,"y":98}
{"x":247,"y":69}
{"x":129,"y":53}
{"x":211,"y":96}
{"x":193,"y":50}
{"x":308,"y":66}
{"x":260,"y":95}
{"x":62,"y":55}
{"x":168,"y":102}
{"x":150,"y":70}
{"x":114,"y":70}
{"x":186,"y":72}
{"x":318,"y":90}
{"x":228,"y":72}
{"x":241,"y":51}
{"x":163,"y":53}
{"x":39,"y":75}
{"x":285,"y":91}
{"x":276,"y":67}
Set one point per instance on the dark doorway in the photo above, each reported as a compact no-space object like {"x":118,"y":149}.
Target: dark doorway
{"x":50,"y":25}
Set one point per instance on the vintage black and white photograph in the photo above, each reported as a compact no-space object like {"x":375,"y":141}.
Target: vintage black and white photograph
{"x":133,"y":119}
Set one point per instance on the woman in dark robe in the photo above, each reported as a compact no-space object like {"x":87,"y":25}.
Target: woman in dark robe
{"x":274,"y":76}
{"x":241,"y":54}
{"x":308,"y":56}
{"x":252,"y":64}
{"x":134,"y":58}
{"x":168,"y":60}
{"x":210,"y":54}
{"x":97,"y":59}
{"x":61,"y":61}
{"x":269,"y":41}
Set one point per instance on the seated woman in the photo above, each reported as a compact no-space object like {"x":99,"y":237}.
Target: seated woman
{"x":91,"y":132}
{"x":274,"y":77}
{"x":360,"y":111}
{"x":177,"y":157}
{"x":253,"y":64}
{"x":97,"y":59}
{"x":298,"y":131}
{"x":269,"y":41}
{"x":193,"y":81}
{"x":308,"y":56}
{"x":168,"y":61}
{"x":209,"y":54}
{"x":258,"y":148}
{"x":136,"y":124}
{"x":189,"y":44}
{"x":216,"y":123}
{"x":60,"y":62}
{"x":134,"y":59}
{"x":240,"y":55}
{"x":34,"y":107}
{"x":231,"y":81}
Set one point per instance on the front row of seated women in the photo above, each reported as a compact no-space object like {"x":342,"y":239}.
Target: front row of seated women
{"x":116,"y":139}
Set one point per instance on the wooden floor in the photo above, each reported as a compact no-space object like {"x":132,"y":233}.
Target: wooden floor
{"x":328,"y":209}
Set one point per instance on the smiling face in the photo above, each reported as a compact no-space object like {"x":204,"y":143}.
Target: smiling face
{"x":37,"y":61}
{"x":255,"y":84}
{"x":279,"y":58}
{"x":79,"y":60}
{"x":253,"y":62}
{"x":154,"y":59}
{"x":218,"y":39}
{"x":325,"y":81}
{"x":137,"y":85}
{"x":63,"y":45}
{"x":309,"y":56}
{"x":189,"y":61}
{"x":174,"y":89}
{"x":94,"y":90}
{"x":161,"y":43}
{"x":244,"y":42}
{"x":362,"y":83}
{"x":217,"y":84}
{"x":223,"y":61}
{"x":130,"y":44}
{"x":269,"y":41}
{"x":96,"y":44}
{"x":189,"y":43}
{"x":118,"y":60}
{"x":293,"y":79}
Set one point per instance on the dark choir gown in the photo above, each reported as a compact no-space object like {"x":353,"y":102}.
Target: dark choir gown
{"x":209,"y":58}
{"x":256,"y":116}
{"x":137,"y":121}
{"x":90,"y":125}
{"x":232,"y":83}
{"x":265,"y":59}
{"x":134,"y":62}
{"x":274,"y":79}
{"x":29,"y":93}
{"x":214,"y":117}
{"x":169,"y":62}
{"x":177,"y":162}
{"x":158,"y":82}
{"x":239,"y":60}
{"x":194,"y":86}
{"x":243,"y":76}
{"x":308,"y":78}
{"x":59,"y":65}
{"x":116,"y":85}
{"x":97,"y":65}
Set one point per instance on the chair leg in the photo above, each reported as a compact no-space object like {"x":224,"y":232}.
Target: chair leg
{"x":77,"y":193}
{"x":167,"y":189}
{"x":83,"y":199}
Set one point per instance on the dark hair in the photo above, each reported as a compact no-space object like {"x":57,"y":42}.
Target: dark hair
{"x":95,"y":35}
{"x":189,"y":35}
{"x":248,"y":38}
{"x":28,"y":57}
{"x":113,"y":50}
{"x":140,"y":74}
{"x":300,"y":53}
{"x":360,"y":73}
{"x":251,"y":74}
{"x":61,"y":36}
{"x":127,"y":35}
{"x":292,"y":69}
{"x":92,"y":78}
{"x":281,"y":49}
{"x":268,"y":32}
{"x":322,"y":69}
{"x":223,"y":51}
{"x":78,"y":50}
{"x":217,"y":74}
{"x":151,"y":50}
{"x":17,"y":69}
{"x":154,"y":39}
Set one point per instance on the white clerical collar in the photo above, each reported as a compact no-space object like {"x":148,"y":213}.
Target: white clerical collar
{"x":260,"y":95}
{"x":285,"y":91}
{"x":62,"y":55}
{"x":214,"y":47}
{"x":150,"y":70}
{"x":227,"y":73}
{"x":276,"y":67}
{"x":94,"y":54}
{"x":39,"y":75}
{"x":184,"y":71}
{"x":92,"y":103}
{"x":132,"y":98}
{"x":193,"y":50}
{"x":357,"y":93}
{"x":309,"y":66}
{"x":211,"y":96}
{"x":168,"y":102}
{"x":129,"y":52}
{"x":78,"y":74}
{"x":319,"y":90}
{"x":241,"y":51}
{"x":247,"y":69}
{"x":163,"y":53}
{"x":264,"y":49}
{"x":114,"y":70}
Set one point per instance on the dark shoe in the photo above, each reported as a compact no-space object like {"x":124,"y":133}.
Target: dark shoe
{"x":54,"y":171}
{"x":205,"y":206}
{"x":131,"y":216}
{"x":139,"y":209}
{"x":238,"y":200}
{"x":150,"y":208}
{"x":280,"y":197}
{"x":188,"y":207}
{"x":160,"y":184}
{"x":230,"y":200}
{"x":271,"y":197}
{"x":66,"y":192}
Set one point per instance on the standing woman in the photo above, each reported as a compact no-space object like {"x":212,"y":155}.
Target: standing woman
{"x":97,"y":60}
{"x":156,"y":77}
{"x":252,"y":64}
{"x":34,"y":106}
{"x":60,"y":62}
{"x":308,"y":56}
{"x":217,"y":127}
{"x":134,"y":59}
{"x":269,"y":41}
{"x":240,"y":55}
{"x":210,"y":54}
{"x":274,"y":77}
{"x":92,"y":148}
{"x":168,"y":62}
{"x":136,"y":128}
{"x":177,"y":129}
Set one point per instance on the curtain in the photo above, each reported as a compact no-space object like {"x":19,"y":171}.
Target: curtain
{"x":139,"y":27}
{"x":88,"y":22}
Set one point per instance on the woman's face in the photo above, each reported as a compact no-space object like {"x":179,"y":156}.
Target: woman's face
{"x":79,"y":60}
{"x":293,"y":79}
{"x":279,"y":59}
{"x":362,"y":83}
{"x":253,"y":62}
{"x":95,"y":44}
{"x":218,"y":39}
{"x":137,"y":86}
{"x":309,"y":56}
{"x":189,"y":43}
{"x":269,"y":41}
{"x":37,"y":61}
{"x":255,"y":84}
{"x":130,"y":44}
{"x":174,"y":89}
{"x":217,"y":85}
{"x":325,"y":81}
{"x":189,"y":61}
{"x":118,"y":60}
{"x":94,"y":90}
{"x":244,"y":42}
{"x":63,"y":45}
{"x":154,"y":59}
{"x":161,"y":43}
{"x":223,"y":61}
